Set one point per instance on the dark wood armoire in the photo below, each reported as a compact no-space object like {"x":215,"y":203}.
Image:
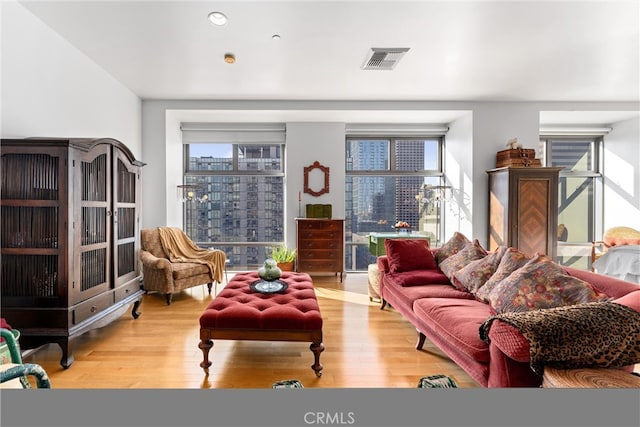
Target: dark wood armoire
{"x":523,"y":209}
{"x":69,"y":237}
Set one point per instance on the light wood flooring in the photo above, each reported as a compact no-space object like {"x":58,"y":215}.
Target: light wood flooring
{"x":365,"y":347}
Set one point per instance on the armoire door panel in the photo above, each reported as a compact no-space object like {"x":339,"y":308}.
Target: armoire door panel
{"x":523,"y":209}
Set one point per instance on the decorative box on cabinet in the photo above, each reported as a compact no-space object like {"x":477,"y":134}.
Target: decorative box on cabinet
{"x":70,"y":237}
{"x":321,"y":245}
{"x":523,"y":209}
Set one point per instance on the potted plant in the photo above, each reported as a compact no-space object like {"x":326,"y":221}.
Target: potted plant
{"x":284,"y":256}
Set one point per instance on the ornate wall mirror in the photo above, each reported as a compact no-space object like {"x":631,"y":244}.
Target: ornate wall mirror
{"x":316,"y":179}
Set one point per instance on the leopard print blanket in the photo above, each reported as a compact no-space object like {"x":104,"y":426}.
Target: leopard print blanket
{"x":595,"y":334}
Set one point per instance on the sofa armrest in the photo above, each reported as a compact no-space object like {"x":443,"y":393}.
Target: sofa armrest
{"x":383,"y":264}
{"x":509,"y":341}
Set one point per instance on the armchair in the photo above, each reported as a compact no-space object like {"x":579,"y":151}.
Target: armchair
{"x":14,"y":373}
{"x":171,"y":262}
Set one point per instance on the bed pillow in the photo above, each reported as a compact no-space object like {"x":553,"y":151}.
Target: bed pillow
{"x":540,"y":284}
{"x":475,"y":274}
{"x":471,"y":252}
{"x":451,"y":247}
{"x":409,"y":255}
{"x":419,"y":277}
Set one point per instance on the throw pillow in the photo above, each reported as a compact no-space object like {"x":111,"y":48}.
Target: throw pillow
{"x":475,"y":274}
{"x":512,"y":260}
{"x":539,"y":284}
{"x":452,"y":247}
{"x":409,"y":255}
{"x":419,"y":277}
{"x":471,"y":252}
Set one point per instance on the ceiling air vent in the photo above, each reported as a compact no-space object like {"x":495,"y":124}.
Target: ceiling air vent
{"x":383,"y":58}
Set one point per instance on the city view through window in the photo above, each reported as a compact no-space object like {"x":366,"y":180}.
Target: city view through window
{"x":244,"y":211}
{"x":390,"y":180}
{"x":387,"y":180}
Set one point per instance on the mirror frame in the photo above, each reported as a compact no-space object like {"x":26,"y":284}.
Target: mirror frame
{"x":308,"y":170}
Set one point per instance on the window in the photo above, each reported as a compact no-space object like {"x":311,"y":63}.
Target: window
{"x":579,"y":210}
{"x":244,"y":212}
{"x":389,"y":180}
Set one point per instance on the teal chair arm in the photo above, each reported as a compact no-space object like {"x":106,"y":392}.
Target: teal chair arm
{"x":14,"y":350}
{"x":21,"y":371}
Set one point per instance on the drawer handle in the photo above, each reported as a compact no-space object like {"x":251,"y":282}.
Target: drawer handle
{"x":126,"y":291}
{"x":93,"y":308}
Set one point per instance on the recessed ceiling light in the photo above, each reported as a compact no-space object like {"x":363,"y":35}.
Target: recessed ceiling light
{"x":218,"y":18}
{"x":276,"y":37}
{"x":229,"y":58}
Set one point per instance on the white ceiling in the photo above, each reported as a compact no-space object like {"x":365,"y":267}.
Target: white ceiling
{"x":459,"y":50}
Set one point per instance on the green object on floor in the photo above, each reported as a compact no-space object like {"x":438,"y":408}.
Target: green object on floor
{"x":287,"y":384}
{"x":437,"y":381}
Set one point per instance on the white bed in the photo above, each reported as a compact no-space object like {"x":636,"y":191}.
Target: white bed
{"x":622,"y":262}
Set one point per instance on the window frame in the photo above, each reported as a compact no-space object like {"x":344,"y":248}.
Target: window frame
{"x":244,"y":248}
{"x":392,"y":172}
{"x":595,"y":174}
{"x":235,"y":161}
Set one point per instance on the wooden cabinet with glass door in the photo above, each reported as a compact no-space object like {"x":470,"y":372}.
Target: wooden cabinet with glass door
{"x":69,"y":241}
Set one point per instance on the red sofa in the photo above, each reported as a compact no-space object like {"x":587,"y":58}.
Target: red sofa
{"x":450,"y":318}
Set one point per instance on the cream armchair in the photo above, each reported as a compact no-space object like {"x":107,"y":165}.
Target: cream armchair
{"x":171,"y":262}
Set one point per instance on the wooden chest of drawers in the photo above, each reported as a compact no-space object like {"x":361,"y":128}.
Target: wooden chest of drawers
{"x":321,"y":245}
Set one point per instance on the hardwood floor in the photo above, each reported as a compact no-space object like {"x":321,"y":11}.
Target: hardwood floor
{"x":365,"y":347}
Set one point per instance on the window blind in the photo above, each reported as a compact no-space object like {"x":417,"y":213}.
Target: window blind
{"x":395,"y":129}
{"x":236,"y":133}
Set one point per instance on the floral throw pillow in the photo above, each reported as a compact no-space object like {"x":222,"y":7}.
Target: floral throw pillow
{"x":453,"y":246}
{"x":539,"y":284}
{"x":475,"y":274}
{"x":511,"y":260}
{"x":471,"y":252}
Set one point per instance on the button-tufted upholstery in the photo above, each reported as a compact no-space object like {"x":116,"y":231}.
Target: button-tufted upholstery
{"x":237,"y":306}
{"x":239,"y":313}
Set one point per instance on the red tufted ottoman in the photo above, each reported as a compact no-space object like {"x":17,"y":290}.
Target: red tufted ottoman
{"x":238,"y":313}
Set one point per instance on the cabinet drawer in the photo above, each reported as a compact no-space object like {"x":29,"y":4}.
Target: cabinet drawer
{"x":318,"y":224}
{"x":320,"y":235}
{"x":317,"y":254}
{"x":319,"y":243}
{"x":124,"y":291}
{"x":320,"y":265}
{"x":90,"y":308}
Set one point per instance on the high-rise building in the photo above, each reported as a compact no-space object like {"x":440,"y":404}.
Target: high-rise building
{"x":409,"y":156}
{"x":240,"y":209}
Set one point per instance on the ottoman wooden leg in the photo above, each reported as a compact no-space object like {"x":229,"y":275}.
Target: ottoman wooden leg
{"x":317,"y":348}
{"x":205,"y":346}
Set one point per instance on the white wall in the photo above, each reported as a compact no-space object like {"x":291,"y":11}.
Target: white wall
{"x":622,"y":175}
{"x":458,"y":165}
{"x":493,"y":125}
{"x":305,"y":144}
{"x":472,"y":142}
{"x":51,"y":89}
